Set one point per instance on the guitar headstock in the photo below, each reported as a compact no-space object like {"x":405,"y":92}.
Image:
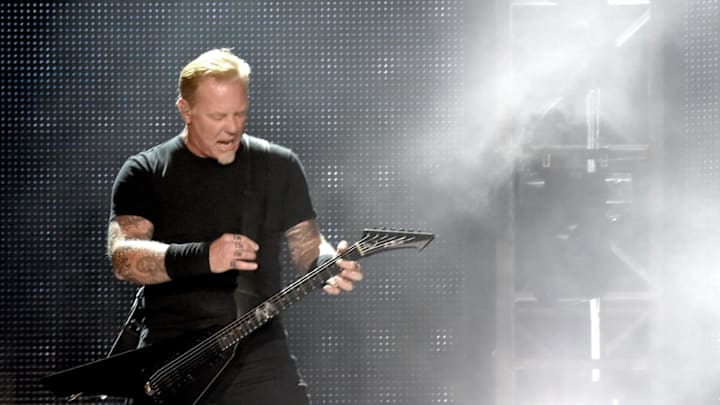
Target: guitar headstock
{"x":376,"y":240}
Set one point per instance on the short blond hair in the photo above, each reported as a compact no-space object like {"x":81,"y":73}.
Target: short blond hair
{"x":220,"y":63}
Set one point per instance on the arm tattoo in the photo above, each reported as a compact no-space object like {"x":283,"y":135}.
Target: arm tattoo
{"x":304,"y":244}
{"x":135,"y":227}
{"x":121,"y":263}
{"x":135,"y":257}
{"x":150,"y":265}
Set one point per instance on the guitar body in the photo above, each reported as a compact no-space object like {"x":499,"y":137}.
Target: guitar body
{"x":126,"y":375}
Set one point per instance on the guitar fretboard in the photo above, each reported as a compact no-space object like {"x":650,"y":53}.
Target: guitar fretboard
{"x":261,"y":314}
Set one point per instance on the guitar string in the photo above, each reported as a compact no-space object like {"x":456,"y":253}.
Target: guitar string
{"x":203,"y":350}
{"x":174,"y":370}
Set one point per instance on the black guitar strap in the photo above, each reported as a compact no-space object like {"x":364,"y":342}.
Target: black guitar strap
{"x":255,"y":154}
{"x":129,"y":335}
{"x":254,"y":201}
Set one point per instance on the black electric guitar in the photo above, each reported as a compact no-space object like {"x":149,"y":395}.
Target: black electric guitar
{"x":180,"y":371}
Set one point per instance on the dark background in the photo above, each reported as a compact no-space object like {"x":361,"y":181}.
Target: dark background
{"x":369,"y":94}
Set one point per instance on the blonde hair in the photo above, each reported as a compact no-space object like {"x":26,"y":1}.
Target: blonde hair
{"x":219,"y":63}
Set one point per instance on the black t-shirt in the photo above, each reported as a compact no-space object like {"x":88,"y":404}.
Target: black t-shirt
{"x":193,"y":199}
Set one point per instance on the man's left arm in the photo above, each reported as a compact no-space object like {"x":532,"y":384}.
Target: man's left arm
{"x":307,"y":246}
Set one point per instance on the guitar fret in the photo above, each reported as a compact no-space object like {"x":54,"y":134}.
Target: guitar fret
{"x":224,"y":342}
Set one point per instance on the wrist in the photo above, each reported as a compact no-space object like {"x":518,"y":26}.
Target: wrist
{"x":183,"y":260}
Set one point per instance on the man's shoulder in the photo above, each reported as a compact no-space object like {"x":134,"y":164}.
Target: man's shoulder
{"x":159,"y":151}
{"x":271,"y":149}
{"x":166,"y":147}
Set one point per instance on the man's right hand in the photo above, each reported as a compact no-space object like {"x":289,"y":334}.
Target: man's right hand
{"x":233,"y":251}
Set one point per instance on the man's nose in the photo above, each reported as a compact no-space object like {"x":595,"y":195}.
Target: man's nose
{"x":233,"y":125}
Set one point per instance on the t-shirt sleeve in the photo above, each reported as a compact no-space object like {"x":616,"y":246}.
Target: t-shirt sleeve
{"x":131,"y":190}
{"x":297,"y":202}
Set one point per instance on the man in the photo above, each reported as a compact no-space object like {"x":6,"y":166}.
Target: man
{"x":198,"y":220}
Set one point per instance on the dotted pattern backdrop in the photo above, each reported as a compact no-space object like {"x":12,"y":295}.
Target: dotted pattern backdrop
{"x":693,"y":153}
{"x":369,"y":94}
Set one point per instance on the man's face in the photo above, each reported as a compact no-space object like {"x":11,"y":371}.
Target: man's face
{"x":216,"y":119}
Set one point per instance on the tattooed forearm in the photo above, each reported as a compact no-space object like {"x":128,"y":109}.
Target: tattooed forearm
{"x":304,"y":241}
{"x":135,"y":227}
{"x":151,"y":265}
{"x":140,"y":261}
{"x":134,"y":256}
{"x":121,"y":264}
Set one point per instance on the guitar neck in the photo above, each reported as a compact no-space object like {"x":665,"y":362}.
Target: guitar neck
{"x":299,"y":289}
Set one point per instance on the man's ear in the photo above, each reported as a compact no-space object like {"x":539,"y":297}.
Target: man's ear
{"x":184,"y":108}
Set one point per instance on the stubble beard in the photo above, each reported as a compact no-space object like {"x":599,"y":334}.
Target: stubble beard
{"x":227,"y":160}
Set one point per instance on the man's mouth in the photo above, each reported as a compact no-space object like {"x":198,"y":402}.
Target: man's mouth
{"x":227,"y":144}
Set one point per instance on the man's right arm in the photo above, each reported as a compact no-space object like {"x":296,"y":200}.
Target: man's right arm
{"x":139,"y":259}
{"x":135,"y":256}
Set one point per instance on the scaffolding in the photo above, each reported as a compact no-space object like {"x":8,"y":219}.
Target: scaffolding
{"x":578,"y":259}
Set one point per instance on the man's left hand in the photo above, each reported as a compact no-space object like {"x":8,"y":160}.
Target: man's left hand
{"x":350,"y":273}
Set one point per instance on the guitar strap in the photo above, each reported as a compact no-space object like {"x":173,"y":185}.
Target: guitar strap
{"x":129,"y":335}
{"x":253,"y":206}
{"x":254,"y":197}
